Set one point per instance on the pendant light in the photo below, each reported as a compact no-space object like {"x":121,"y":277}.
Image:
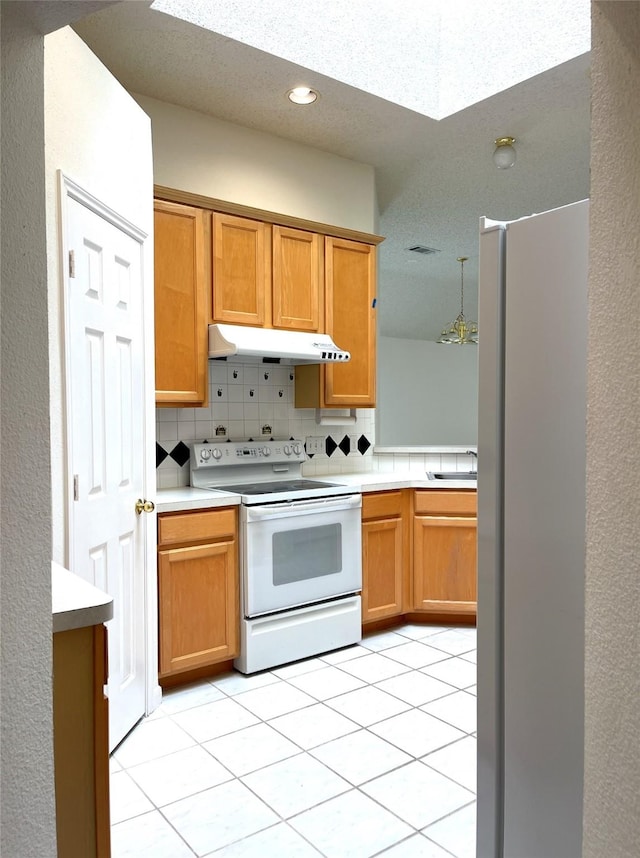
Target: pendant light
{"x":460,"y":332}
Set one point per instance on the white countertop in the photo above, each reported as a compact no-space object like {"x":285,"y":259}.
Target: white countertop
{"x":75,"y":603}
{"x":186,"y":498}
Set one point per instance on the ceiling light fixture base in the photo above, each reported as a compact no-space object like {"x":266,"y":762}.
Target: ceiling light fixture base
{"x":504,"y":155}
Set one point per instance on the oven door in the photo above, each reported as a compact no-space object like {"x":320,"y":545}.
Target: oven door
{"x":299,"y":552}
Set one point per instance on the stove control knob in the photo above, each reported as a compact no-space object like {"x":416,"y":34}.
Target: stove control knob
{"x":204,"y":455}
{"x":286,"y":450}
{"x":297,"y":449}
{"x":216,"y":453}
{"x":266,"y":451}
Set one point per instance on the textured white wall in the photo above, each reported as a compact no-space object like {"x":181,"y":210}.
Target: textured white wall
{"x":427,"y":394}
{"x":26,"y":762}
{"x":99,"y":137}
{"x":612,"y":657}
{"x":207,"y":156}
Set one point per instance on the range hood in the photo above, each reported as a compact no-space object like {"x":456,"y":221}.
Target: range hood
{"x":272,"y":346}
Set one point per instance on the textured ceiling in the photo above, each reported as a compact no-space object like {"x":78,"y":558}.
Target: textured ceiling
{"x":47,"y":17}
{"x":434,"y":179}
{"x":351,"y":42}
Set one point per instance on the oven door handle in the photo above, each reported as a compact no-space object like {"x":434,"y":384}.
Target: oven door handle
{"x":287,"y":508}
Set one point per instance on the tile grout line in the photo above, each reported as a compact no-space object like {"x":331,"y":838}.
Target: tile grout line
{"x":324,"y":701}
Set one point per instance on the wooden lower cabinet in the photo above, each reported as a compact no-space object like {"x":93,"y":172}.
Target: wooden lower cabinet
{"x":81,"y":742}
{"x":384,"y":554}
{"x":444,"y":551}
{"x":198,"y":589}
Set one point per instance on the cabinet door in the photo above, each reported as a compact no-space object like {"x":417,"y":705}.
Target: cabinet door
{"x":181,"y":308}
{"x":350,"y":278}
{"x":382,"y":569}
{"x":81,"y":743}
{"x":444,"y":564}
{"x":198,"y":606}
{"x":241,"y":271}
{"x":297,"y":277}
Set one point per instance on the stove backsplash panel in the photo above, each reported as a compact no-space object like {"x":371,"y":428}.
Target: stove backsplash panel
{"x":256,"y":401}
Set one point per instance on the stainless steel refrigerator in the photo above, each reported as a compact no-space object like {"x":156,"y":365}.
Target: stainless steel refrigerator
{"x":531,"y":533}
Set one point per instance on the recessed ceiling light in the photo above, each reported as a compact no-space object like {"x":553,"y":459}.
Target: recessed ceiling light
{"x":302,"y":95}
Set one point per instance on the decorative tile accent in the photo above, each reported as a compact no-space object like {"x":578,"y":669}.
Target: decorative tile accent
{"x":330,"y":446}
{"x":180,"y":453}
{"x":363,"y":445}
{"x":345,"y":445}
{"x":161,"y":455}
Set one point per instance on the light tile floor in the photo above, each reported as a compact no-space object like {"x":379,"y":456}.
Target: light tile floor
{"x":366,"y":751}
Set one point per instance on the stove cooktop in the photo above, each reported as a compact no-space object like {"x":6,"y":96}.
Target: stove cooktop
{"x":259,"y":471}
{"x":275,"y":486}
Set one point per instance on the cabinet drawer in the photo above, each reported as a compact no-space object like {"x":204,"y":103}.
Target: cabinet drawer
{"x":381,"y":505}
{"x":444,"y":501}
{"x":197,"y":526}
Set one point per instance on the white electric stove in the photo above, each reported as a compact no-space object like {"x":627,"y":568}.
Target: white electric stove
{"x":300,"y":550}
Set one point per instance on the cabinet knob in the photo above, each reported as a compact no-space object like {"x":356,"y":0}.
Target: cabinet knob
{"x":144,"y":506}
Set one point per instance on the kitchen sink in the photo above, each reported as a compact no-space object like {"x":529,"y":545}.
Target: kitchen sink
{"x":452,"y":475}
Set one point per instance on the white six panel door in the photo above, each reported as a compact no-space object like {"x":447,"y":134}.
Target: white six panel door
{"x":106,"y":443}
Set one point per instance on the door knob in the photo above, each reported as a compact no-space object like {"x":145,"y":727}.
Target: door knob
{"x":144,"y":506}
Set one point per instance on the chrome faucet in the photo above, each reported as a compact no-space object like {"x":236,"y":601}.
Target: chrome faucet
{"x":475,"y":455}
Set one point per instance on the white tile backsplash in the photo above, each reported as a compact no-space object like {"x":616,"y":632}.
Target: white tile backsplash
{"x":401,"y":462}
{"x":449,"y":462}
{"x":166,"y":431}
{"x":245,"y":397}
{"x":242,"y":399}
{"x":166,"y":415}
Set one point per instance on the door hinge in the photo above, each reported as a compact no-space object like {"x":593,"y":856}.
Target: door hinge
{"x":72,"y":263}
{"x":76,"y":489}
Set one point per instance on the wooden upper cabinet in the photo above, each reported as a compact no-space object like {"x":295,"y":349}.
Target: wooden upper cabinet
{"x":181,"y":243}
{"x":225,"y":268}
{"x":241,"y":271}
{"x":349,"y":293}
{"x":297,"y":279}
{"x":350,"y":286}
{"x":264,"y":276}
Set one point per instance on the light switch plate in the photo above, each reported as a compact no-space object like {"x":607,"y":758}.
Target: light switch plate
{"x":314,"y":444}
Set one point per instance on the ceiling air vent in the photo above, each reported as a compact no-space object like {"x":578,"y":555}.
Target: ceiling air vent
{"x":421,"y":248}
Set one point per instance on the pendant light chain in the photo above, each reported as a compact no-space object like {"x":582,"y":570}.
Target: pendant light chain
{"x":462,"y":260}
